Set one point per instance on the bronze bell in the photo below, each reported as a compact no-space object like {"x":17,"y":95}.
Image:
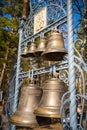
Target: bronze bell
{"x":41,"y":47}
{"x":24,"y":53}
{"x":55,"y":49}
{"x":31,"y":50}
{"x":29,"y":99}
{"x":50,"y":102}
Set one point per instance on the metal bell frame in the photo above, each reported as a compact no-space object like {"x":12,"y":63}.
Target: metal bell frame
{"x":26,"y":34}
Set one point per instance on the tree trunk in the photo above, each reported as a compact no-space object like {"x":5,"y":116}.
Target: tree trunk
{"x":26,"y":9}
{"x":3,"y":69}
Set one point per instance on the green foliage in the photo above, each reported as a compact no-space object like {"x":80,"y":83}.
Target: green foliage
{"x":13,"y":7}
{"x":9,"y":24}
{"x":9,"y":37}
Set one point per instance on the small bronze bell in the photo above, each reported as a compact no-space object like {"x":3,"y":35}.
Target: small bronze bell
{"x":50,"y":103}
{"x":29,"y":99}
{"x":31,"y":50}
{"x":55,"y":48}
{"x":41,"y":47}
{"x":24,"y":53}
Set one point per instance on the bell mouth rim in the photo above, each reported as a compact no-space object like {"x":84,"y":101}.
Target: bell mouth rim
{"x":18,"y":123}
{"x":24,"y":55}
{"x":53,"y":55}
{"x":38,"y":53}
{"x":19,"y":120}
{"x":30,"y":54}
{"x":55,"y":51}
{"x":44,"y":112}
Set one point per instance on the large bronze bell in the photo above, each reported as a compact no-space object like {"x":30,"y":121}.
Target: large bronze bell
{"x":50,"y":103}
{"x":29,"y":99}
{"x":41,"y":47}
{"x":55,"y":49}
{"x":31,"y":50}
{"x":25,"y":51}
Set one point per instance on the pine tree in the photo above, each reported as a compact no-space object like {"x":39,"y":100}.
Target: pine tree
{"x":9,"y":24}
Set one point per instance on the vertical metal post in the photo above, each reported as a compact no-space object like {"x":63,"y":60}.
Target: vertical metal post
{"x":72,"y":80}
{"x":18,"y":72}
{"x":17,"y":76}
